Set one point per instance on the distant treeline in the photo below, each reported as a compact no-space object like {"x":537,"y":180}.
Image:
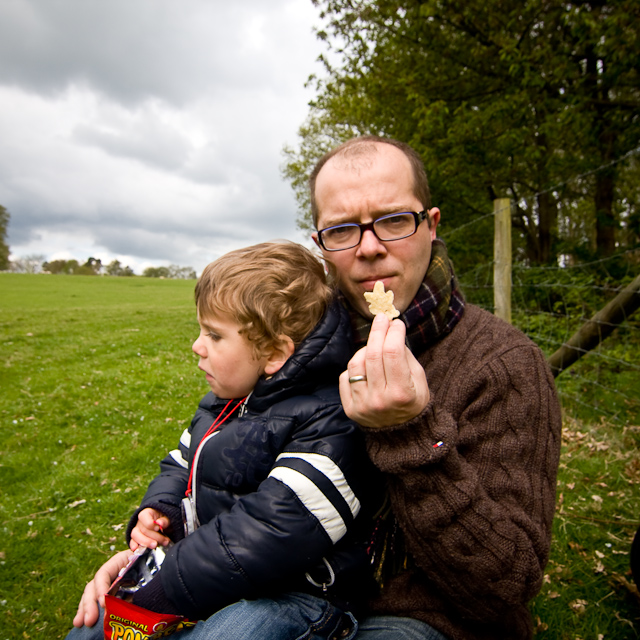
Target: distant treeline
{"x":94,"y":267}
{"x":172,"y":271}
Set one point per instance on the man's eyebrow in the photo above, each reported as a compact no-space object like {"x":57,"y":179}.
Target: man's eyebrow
{"x":346,"y":218}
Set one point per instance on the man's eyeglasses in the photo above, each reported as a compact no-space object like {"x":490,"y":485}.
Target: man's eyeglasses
{"x":394,"y":226}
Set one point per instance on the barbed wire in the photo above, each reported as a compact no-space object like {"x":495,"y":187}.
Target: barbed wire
{"x":616,"y":401}
{"x":487,"y":267}
{"x":584,"y":352}
{"x":548,"y":285}
{"x":581,"y":320}
{"x":448,"y":234}
{"x":564,"y":285}
{"x":586,"y":173}
{"x":577,"y":400}
{"x":595,"y":383}
{"x":601,"y":396}
{"x":580,"y":265}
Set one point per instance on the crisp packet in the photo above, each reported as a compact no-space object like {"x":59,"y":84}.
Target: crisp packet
{"x":124,"y":620}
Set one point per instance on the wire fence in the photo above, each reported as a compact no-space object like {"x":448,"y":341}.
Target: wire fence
{"x":550,"y":303}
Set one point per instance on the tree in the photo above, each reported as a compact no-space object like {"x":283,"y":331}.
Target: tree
{"x":60,"y":266}
{"x":502,"y":98}
{"x":181,"y":273}
{"x":114,"y":268}
{"x":4,"y":248}
{"x":28,"y":264}
{"x":173,"y":271}
{"x":93,"y":265}
{"x":156,"y":272}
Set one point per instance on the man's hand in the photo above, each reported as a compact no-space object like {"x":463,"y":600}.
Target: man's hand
{"x":94,"y":592}
{"x":395,"y":389}
{"x":148,"y":530}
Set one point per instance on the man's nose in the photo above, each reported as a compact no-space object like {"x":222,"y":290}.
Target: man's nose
{"x":370,"y":245}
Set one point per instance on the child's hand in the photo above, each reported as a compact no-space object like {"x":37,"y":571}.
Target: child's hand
{"x":88,"y":610}
{"x":148,"y":530}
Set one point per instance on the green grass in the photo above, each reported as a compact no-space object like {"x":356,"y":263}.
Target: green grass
{"x":588,"y":590}
{"x":98,"y":381}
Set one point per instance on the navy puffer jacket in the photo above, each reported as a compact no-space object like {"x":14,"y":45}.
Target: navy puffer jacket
{"x":279,"y":490}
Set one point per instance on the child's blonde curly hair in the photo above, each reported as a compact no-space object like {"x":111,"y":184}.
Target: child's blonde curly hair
{"x":270,"y":289}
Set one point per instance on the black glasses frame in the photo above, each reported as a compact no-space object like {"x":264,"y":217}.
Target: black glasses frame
{"x":418,"y":216}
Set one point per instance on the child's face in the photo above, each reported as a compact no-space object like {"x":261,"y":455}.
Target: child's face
{"x":226,"y":357}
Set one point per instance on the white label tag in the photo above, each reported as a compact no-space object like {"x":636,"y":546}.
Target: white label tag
{"x":189,"y":516}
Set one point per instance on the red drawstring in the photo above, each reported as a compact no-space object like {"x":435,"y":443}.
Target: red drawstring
{"x":216,"y":423}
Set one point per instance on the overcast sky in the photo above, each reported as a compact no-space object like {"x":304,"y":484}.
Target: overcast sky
{"x":151,"y":131}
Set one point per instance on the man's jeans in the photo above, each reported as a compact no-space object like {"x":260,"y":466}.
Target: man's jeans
{"x":296,"y":616}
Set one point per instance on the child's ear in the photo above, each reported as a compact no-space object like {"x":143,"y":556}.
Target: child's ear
{"x":280,"y":353}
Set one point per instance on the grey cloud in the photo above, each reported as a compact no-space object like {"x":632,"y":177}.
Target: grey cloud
{"x":131,"y":50}
{"x":167,"y":236}
{"x":149,"y":143}
{"x":149,"y":128}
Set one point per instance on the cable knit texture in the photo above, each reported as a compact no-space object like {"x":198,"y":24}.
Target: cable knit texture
{"x":476,"y":512}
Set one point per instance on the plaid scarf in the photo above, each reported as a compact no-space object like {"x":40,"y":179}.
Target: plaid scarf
{"x":432,"y":314}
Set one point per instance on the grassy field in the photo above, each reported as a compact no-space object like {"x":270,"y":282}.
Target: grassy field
{"x":98,"y":380}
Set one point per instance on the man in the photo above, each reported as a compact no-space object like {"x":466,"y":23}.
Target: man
{"x":464,"y":421}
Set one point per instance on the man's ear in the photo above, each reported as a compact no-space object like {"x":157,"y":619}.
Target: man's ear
{"x":434,"y":219}
{"x":280,"y":353}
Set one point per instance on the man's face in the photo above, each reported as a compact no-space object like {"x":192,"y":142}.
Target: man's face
{"x":382,"y":183}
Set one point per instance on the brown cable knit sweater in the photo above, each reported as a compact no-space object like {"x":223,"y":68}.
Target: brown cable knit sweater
{"x":475,"y":512}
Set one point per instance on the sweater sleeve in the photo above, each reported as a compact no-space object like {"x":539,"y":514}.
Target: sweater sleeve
{"x":476,"y":510}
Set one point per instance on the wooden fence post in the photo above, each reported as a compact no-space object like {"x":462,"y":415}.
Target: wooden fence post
{"x":502,"y":259}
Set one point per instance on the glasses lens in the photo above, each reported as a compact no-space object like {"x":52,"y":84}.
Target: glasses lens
{"x":395,"y":226}
{"x":344,"y":236}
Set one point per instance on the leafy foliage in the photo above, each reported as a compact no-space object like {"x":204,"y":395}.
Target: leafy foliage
{"x":115,"y":268}
{"x":92,"y":267}
{"x":172,"y":271}
{"x":550,"y":304}
{"x":534,"y":100}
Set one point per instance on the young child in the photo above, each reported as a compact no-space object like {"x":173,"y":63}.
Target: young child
{"x":271,"y":480}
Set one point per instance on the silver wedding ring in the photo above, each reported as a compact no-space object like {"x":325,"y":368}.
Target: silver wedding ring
{"x":353,"y":379}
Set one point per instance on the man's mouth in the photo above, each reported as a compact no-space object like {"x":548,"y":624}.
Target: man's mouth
{"x":369,"y":283}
